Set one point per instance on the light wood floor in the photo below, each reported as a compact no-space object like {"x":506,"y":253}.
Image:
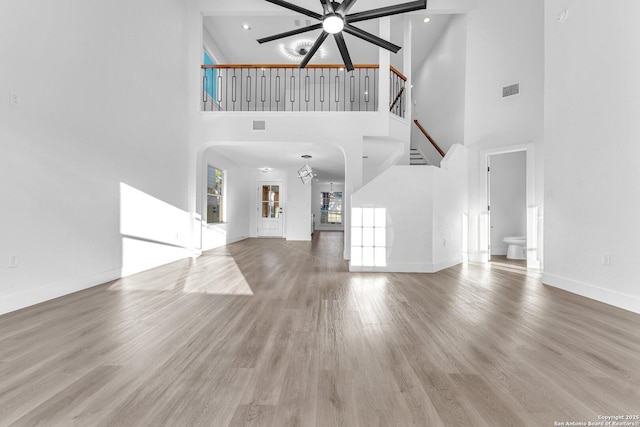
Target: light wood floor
{"x":274,"y":333}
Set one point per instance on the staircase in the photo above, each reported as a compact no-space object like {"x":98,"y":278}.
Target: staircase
{"x":417,"y":158}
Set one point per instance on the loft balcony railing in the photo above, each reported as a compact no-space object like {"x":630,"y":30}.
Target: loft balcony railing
{"x":289,"y":88}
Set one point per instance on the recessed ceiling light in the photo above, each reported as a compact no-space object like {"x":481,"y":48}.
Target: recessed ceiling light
{"x":297,"y":50}
{"x":246,"y":27}
{"x":265,"y":170}
{"x":426,"y":19}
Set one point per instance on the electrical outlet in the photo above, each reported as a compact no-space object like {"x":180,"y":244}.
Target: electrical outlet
{"x":606,"y":259}
{"x":13,"y":261}
{"x":14,"y":99}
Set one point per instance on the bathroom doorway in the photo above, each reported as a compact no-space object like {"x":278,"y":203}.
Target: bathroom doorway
{"x":507,"y":205}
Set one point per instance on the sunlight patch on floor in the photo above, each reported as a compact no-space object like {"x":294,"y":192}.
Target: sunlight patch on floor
{"x":214,"y":273}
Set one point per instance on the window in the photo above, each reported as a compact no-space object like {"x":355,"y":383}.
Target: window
{"x":215,"y":195}
{"x":331,"y":208}
{"x":211,"y":76}
{"x":270,"y":201}
{"x":369,"y":237}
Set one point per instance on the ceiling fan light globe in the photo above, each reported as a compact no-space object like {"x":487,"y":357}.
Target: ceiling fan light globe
{"x":332,"y":24}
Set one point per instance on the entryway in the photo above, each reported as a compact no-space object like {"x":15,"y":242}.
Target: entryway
{"x":270,"y":209}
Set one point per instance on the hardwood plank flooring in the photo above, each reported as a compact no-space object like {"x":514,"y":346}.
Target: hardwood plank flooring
{"x":272,"y":333}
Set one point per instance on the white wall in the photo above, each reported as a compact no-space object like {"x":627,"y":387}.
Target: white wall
{"x":592,"y":178}
{"x":381,"y":153}
{"x":450,"y":203}
{"x":505,"y":44}
{"x":237,"y":201}
{"x":212,"y":47}
{"x":298,"y":209}
{"x":316,"y":202}
{"x":423,"y":232}
{"x":408,"y":219}
{"x":439,"y":91}
{"x":101,"y":102}
{"x":508,"y":190}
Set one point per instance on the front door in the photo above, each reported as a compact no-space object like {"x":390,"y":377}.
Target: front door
{"x":270,"y":209}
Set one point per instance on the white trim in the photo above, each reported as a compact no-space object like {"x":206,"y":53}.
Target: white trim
{"x":410,"y":268}
{"x":607,"y":296}
{"x":533,"y":253}
{"x":54,"y":290}
{"x":283,"y":206}
{"x":236,"y":239}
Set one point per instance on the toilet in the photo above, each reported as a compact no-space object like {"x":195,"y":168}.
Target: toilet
{"x":517,"y":247}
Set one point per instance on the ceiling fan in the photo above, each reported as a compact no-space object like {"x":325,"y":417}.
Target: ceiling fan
{"x":336,"y":19}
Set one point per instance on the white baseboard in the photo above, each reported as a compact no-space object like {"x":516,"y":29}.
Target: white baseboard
{"x":409,"y":268}
{"x":236,"y":239}
{"x":50,"y":291}
{"x":607,"y":296}
{"x":443,"y":265}
{"x":499,"y":249}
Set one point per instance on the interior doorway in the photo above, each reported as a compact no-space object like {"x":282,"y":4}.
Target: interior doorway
{"x":489,"y":179}
{"x":507,"y":204}
{"x":270,"y":200}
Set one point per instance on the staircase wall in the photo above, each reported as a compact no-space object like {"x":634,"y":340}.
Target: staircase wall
{"x":424,"y":208}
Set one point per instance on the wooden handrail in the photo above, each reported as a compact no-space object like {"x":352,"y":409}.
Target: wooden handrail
{"x":398,"y":73}
{"x":393,"y":104}
{"x":267,"y":66}
{"x":436,"y":146}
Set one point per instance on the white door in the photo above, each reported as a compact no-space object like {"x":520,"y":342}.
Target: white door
{"x":270,"y":209}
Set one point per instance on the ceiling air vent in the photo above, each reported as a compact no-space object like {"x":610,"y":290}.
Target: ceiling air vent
{"x":259,"y":125}
{"x":511,"y":90}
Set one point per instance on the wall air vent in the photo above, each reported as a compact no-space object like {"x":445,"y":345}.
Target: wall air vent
{"x":511,"y":90}
{"x":298,"y":23}
{"x":259,"y":125}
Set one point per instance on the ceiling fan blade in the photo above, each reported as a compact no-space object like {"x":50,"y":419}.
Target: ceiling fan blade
{"x":290,"y":33}
{"x":371,"y":38}
{"x":327,"y":6}
{"x":386,"y":11}
{"x":342,"y":46}
{"x":296,"y":8}
{"x":345,"y":6}
{"x":321,"y":38}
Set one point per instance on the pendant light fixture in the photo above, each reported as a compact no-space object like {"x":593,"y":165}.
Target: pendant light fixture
{"x":305,"y":173}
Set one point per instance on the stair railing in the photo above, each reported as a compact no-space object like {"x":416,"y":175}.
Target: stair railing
{"x":397,"y":82}
{"x":425,"y":133}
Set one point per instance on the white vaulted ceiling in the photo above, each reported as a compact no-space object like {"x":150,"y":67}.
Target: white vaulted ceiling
{"x":239,"y":46}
